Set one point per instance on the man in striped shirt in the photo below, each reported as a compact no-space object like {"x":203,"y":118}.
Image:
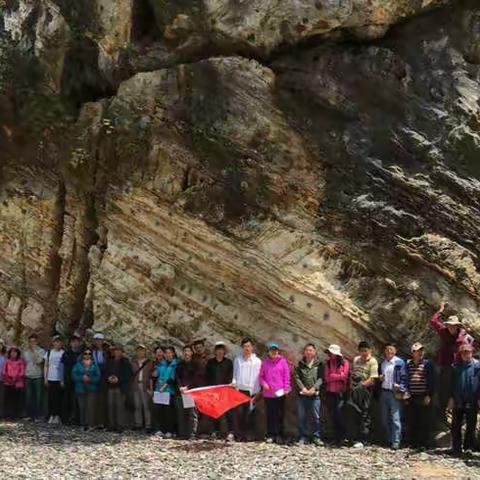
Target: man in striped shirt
{"x":420,"y":386}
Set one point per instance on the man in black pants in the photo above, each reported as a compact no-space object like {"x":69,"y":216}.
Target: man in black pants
{"x":220,"y":372}
{"x":464,"y":399}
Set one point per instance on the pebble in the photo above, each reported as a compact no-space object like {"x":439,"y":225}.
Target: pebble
{"x":49,"y":452}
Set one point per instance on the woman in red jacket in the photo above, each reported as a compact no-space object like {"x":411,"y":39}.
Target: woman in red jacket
{"x":14,"y":381}
{"x":336,"y":373}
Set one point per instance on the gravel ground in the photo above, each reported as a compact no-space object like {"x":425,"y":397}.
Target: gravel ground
{"x":39,"y":451}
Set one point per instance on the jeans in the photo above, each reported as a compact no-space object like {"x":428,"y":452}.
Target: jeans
{"x":391,"y":410}
{"x":34,"y":393}
{"x":308,"y":407}
{"x":470,"y":415}
{"x":335,"y":405}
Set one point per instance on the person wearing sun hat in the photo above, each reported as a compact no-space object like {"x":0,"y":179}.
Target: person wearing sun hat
{"x":274,"y":378}
{"x":335,"y":378}
{"x":464,"y":399}
{"x":451,"y":335}
{"x":420,"y":385}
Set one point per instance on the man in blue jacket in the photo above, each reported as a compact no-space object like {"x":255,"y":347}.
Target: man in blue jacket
{"x":464,"y":399}
{"x":393,"y":377}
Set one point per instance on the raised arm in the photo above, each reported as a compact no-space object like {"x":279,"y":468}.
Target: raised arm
{"x":436,"y":322}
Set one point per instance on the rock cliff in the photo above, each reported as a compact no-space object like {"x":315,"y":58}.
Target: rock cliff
{"x":287,"y":170}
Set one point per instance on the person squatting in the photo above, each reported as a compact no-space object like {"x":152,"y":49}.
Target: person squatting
{"x":96,"y":386}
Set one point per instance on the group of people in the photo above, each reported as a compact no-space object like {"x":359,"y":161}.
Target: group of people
{"x":97,"y":385}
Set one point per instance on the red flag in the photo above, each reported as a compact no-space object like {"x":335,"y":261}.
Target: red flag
{"x":216,"y":400}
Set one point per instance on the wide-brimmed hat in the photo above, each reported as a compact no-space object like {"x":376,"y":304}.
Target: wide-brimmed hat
{"x":334,"y":350}
{"x":453,"y":320}
{"x":416,"y":346}
{"x":272,"y":346}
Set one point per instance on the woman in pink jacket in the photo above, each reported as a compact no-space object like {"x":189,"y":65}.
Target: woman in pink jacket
{"x":274,"y":378}
{"x":336,"y":375}
{"x":14,"y":382}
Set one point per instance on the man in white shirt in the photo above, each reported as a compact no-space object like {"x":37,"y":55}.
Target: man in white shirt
{"x":54,"y":379}
{"x":393,"y":378}
{"x":246,"y":368}
{"x":34,"y":357}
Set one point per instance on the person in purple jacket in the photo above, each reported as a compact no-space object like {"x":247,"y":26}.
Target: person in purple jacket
{"x":274,"y":379}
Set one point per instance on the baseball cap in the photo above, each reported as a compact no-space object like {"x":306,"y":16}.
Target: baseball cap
{"x":465,"y":347}
{"x":272,"y":346}
{"x":99,"y":336}
{"x":220,"y":344}
{"x":416,"y":346}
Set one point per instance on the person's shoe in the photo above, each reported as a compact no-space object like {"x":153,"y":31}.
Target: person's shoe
{"x":302,"y":441}
{"x":213,"y":436}
{"x":230,"y":437}
{"x":279,"y":440}
{"x":318,"y":442}
{"x":50,"y":420}
{"x":395,"y":446}
{"x":159,"y":434}
{"x":269,"y":440}
{"x":468,"y":452}
{"x":358,"y":445}
{"x":168,"y":435}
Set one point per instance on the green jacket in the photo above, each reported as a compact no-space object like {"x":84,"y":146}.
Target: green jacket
{"x":308,"y":377}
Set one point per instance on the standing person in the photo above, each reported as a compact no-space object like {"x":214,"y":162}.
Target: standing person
{"x":274,"y":378}
{"x":158,"y":356}
{"x":420,"y":376}
{"x":118,"y":374}
{"x":99,"y":351}
{"x":14,"y":382}
{"x":3,"y":351}
{"x":364,"y":376}
{"x":142,"y":369}
{"x":53,"y":376}
{"x":451,"y":335}
{"x":246,"y":369}
{"x":86,"y":379}
{"x":220,"y":372}
{"x":393,"y":377}
{"x":464,"y":399}
{"x":185,"y":379}
{"x":34,"y":356}
{"x":336,"y":374}
{"x":308,"y":378}
{"x":200,"y":358}
{"x":70,"y":358}
{"x":166,"y":372}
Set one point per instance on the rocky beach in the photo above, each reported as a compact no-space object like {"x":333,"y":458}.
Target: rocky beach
{"x":37,"y":451}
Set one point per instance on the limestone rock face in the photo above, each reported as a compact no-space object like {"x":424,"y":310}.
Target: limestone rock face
{"x":237,"y":168}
